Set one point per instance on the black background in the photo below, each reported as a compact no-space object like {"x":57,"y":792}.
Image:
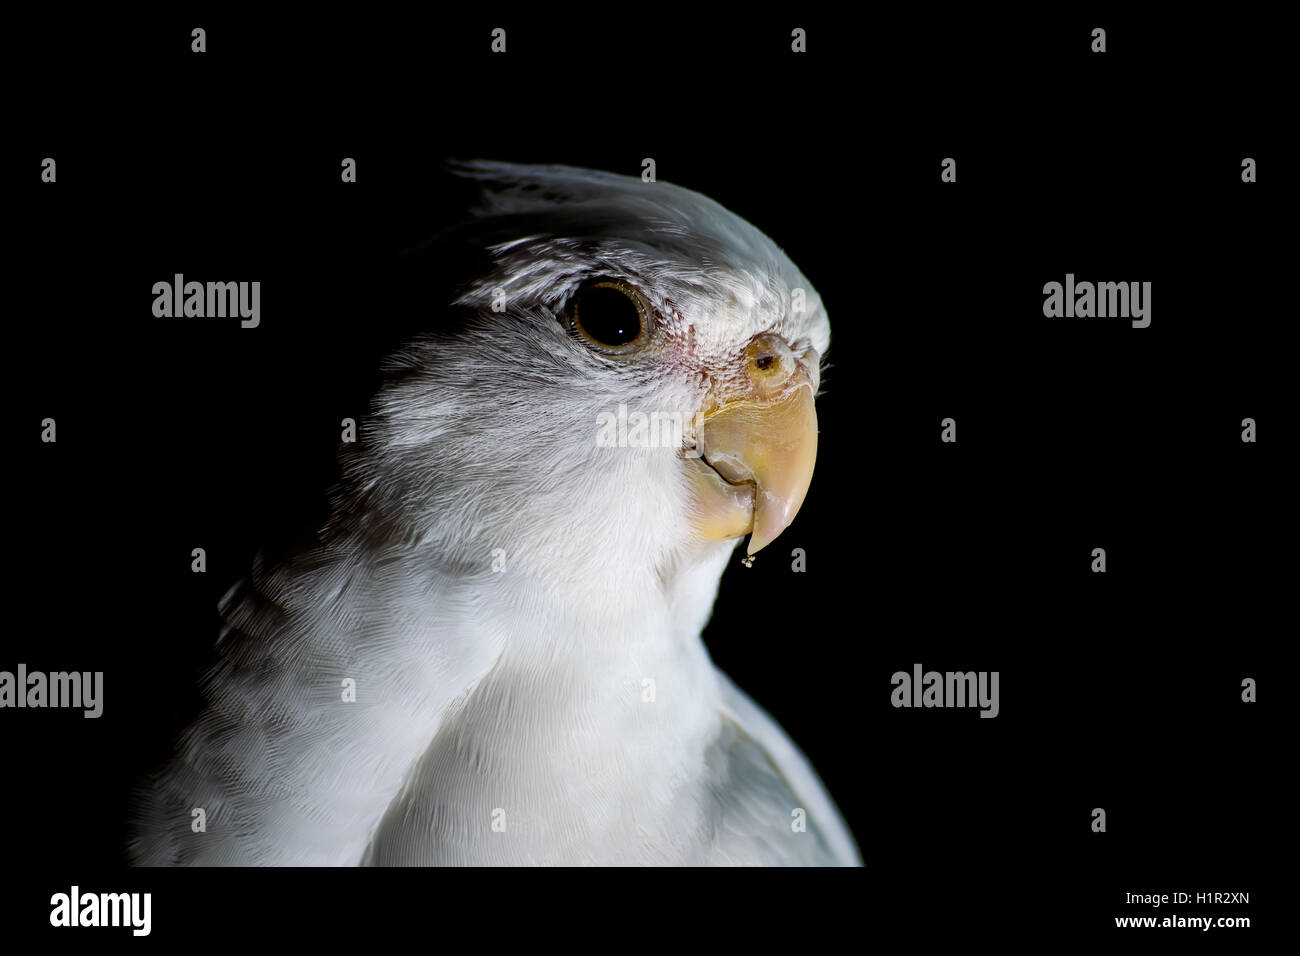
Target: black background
{"x":1119,"y":690}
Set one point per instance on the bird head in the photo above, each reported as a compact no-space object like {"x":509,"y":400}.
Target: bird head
{"x":631,"y":382}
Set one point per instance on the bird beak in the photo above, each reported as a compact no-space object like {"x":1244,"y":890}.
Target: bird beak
{"x":763,"y":446}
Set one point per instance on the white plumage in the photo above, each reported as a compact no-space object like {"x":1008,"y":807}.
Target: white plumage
{"x":501,"y":713}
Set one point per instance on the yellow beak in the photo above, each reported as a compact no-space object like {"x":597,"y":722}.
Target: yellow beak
{"x":761,"y":448}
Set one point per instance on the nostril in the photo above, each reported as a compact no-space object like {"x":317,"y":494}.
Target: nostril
{"x":768,"y":364}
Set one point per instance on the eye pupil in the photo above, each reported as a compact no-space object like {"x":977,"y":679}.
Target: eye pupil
{"x":608,"y":315}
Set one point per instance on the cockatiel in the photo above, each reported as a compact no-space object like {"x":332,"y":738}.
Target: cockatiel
{"x":512,"y":589}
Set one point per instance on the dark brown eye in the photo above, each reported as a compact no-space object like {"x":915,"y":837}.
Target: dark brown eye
{"x":611,"y":314}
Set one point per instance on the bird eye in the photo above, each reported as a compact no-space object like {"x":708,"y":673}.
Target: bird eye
{"x":611,"y":314}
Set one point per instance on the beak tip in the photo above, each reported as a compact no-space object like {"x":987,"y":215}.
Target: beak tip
{"x":758,"y":541}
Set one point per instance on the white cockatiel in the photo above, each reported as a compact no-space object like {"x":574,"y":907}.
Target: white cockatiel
{"x":515,"y":589}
